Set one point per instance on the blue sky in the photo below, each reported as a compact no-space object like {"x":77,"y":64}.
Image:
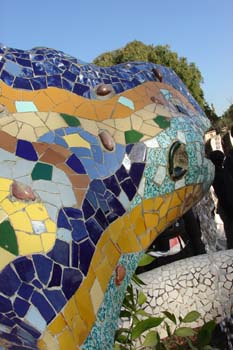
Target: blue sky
{"x":200,"y":30}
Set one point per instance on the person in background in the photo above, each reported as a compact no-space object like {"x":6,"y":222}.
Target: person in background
{"x":223,"y":188}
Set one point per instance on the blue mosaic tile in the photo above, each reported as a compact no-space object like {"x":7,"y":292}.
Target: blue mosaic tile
{"x":56,"y":276}
{"x":74,"y":163}
{"x":25,"y":291}
{"x":26,"y":150}
{"x":73,"y":213}
{"x":75,"y":255}
{"x":56,"y":298}
{"x":86,"y":252}
{"x":60,"y":253}
{"x":71,"y":275}
{"x":112,"y":184}
{"x":21,"y":306}
{"x":9,"y":281}
{"x":63,"y":221}
{"x":136,"y":172}
{"x":79,"y":231}
{"x":43,"y":306}
{"x":5,"y":304}
{"x":25,"y":269}
{"x":95,"y":229}
{"x":88,"y":210}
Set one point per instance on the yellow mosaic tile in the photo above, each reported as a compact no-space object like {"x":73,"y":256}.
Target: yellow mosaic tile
{"x":140,"y":226}
{"x":109,"y":122}
{"x":151,"y":220}
{"x":5,"y":120}
{"x":20,"y":221}
{"x":6,"y":258}
{"x":70,"y":311}
{"x":161,"y":110}
{"x":10,"y":105}
{"x":42,"y":101}
{"x":84,"y":305}
{"x":41,"y":131}
{"x":37,"y":211}
{"x":151,"y":108}
{"x":136,"y":121}
{"x":58,"y":324}
{"x":175,"y":201}
{"x":28,"y":243}
{"x":103,"y":126}
{"x":145,"y":240}
{"x":3,"y":195}
{"x":66,"y":341}
{"x":115,"y":229}
{"x":148,"y":204}
{"x":157,"y":203}
{"x":65,"y":107}
{"x":104,"y":271}
{"x":3,"y":214}
{"x":145,"y":115}
{"x":135,"y":213}
{"x":12,"y":129}
{"x":181,"y":194}
{"x":96,"y":295}
{"x":57,"y":95}
{"x":7,"y":91}
{"x":48,"y":342}
{"x":97,"y":258}
{"x":29,"y":118}
{"x":165,"y":206}
{"x":104,"y":111}
{"x":74,"y":140}
{"x":149,"y":130}
{"x":27,"y":133}
{"x":90,"y":126}
{"x":162,"y":224}
{"x":121,"y":111}
{"x":5,"y":184}
{"x":128,"y":243}
{"x":85,"y":110}
{"x":79,"y":327}
{"x":48,"y":240}
{"x":11,"y":207}
{"x":119,"y":137}
{"x":28,"y":95}
{"x":123,"y":124}
{"x":172,"y":214}
{"x":55,"y":121}
{"x":111,"y":252}
{"x":50,"y":225}
{"x":43,"y":116}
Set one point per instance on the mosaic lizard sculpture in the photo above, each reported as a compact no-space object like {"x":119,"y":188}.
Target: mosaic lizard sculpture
{"x":95,"y":163}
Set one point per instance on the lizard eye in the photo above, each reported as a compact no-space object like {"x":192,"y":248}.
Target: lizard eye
{"x":104,"y":91}
{"x":178,"y":161}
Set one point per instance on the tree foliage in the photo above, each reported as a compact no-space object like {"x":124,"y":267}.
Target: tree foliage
{"x":225,"y":122}
{"x":160,"y":54}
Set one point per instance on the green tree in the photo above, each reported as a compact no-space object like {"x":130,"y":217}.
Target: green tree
{"x":160,"y":54}
{"x":227,"y":117}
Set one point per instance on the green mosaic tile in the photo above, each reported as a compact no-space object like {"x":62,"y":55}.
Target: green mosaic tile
{"x":8,"y":239}
{"x":162,"y":121}
{"x":132,"y":136}
{"x":70,"y":120}
{"x":42,"y":171}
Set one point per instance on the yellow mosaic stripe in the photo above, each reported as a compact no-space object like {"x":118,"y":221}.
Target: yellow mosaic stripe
{"x":58,"y":100}
{"x":131,"y":233}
